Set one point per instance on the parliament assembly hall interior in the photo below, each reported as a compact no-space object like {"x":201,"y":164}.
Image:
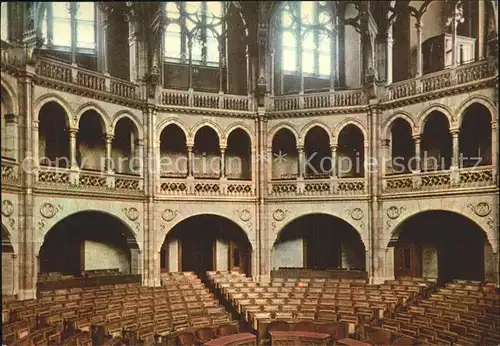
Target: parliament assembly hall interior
{"x":247,"y":173}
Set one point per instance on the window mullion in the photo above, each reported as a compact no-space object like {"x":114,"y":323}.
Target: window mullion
{"x":182,"y":22}
{"x":298,"y":37}
{"x":73,"y":9}
{"x":204,"y":33}
{"x":50,"y":24}
{"x":316,"y":40}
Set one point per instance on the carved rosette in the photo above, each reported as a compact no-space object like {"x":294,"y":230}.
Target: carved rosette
{"x":169,"y":214}
{"x":7,"y":211}
{"x":357,"y":214}
{"x":48,"y":210}
{"x":393,"y":213}
{"x":244,"y":216}
{"x":481,"y":209}
{"x":131,"y":213}
{"x":279,"y":215}
{"x":7,"y":208}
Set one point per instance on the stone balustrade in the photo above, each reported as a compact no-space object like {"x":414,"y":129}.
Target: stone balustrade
{"x":341,"y":98}
{"x":10,"y":171}
{"x":197,"y":99}
{"x":440,"y":180}
{"x":463,"y":74}
{"x":206,"y":187}
{"x":72,"y":74}
{"x":55,"y":177}
{"x":318,"y":187}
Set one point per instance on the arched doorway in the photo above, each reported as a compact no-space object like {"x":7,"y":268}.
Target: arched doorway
{"x":318,"y":241}
{"x":206,"y":242}
{"x":89,"y":240}
{"x":442,"y":245}
{"x":8,"y":263}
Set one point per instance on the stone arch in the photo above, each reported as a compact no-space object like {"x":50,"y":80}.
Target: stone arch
{"x":470,"y":101}
{"x":9,"y":98}
{"x":57,"y":99}
{"x":487,"y":226}
{"x":212,"y":125}
{"x":323,"y":239}
{"x":127,"y":114}
{"x":277,"y":230}
{"x":279,"y":126}
{"x":349,"y":121}
{"x":239,"y":125}
{"x":45,"y":225}
{"x":422,"y":118}
{"x":108,"y":128}
{"x":166,"y":230}
{"x":386,"y":128}
{"x":169,"y":121}
{"x":312,"y":124}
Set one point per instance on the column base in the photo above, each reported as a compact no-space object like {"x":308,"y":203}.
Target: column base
{"x":26,"y":294}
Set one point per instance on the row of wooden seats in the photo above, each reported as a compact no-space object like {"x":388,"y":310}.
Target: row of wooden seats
{"x":109,"y":313}
{"x":353,"y":303}
{"x":462,"y":321}
{"x":203,"y":335}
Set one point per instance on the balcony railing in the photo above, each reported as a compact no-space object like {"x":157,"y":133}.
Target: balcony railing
{"x":71,"y":74}
{"x":341,"y":98}
{"x":206,"y":187}
{"x":191,"y":98}
{"x":56,"y":177}
{"x":463,"y":74}
{"x":318,"y":187}
{"x":440,"y":180}
{"x":10,"y":172}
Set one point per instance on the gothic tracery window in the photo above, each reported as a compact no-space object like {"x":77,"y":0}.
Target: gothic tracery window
{"x":195,"y":22}
{"x":68,"y":24}
{"x":306,"y":31}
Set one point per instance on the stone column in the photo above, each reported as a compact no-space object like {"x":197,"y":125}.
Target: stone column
{"x":104,"y":42}
{"x":11,"y":136}
{"x":190,"y":160}
{"x":386,"y":157}
{"x":418,"y":157}
{"x":109,"y":160}
{"x":139,"y":156}
{"x":35,"y":134}
{"x":72,"y":148}
{"x":263,"y":250}
{"x":333,"y":60}
{"x":367,"y":158}
{"x":301,"y":162}
{"x":388,"y":56}
{"x":333,"y":172}
{"x":494,"y":146}
{"x":455,"y":163}
{"x":27,"y":259}
{"x":223,"y":163}
{"x":419,"y":27}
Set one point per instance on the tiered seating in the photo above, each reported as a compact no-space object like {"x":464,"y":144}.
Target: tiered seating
{"x":112,"y":314}
{"x":462,"y":313}
{"x":346,"y":301}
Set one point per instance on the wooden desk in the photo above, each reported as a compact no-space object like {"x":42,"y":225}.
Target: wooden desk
{"x":241,"y":339}
{"x":298,"y":337}
{"x":351,"y":342}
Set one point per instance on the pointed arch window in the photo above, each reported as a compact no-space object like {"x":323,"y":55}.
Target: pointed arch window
{"x":4,"y":21}
{"x":68,"y":25}
{"x":200,"y":23}
{"x":307,"y":36}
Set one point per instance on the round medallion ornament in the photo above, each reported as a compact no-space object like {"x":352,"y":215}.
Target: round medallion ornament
{"x":7,"y":208}
{"x":48,"y":210}
{"x":279,"y":215}
{"x":168,"y":215}
{"x":482,"y":209}
{"x":357,"y":214}
{"x":393,"y":212}
{"x":132,"y":214}
{"x":245,"y":215}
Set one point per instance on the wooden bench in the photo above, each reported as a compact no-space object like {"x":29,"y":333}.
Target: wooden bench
{"x":299,"y":337}
{"x":241,"y":339}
